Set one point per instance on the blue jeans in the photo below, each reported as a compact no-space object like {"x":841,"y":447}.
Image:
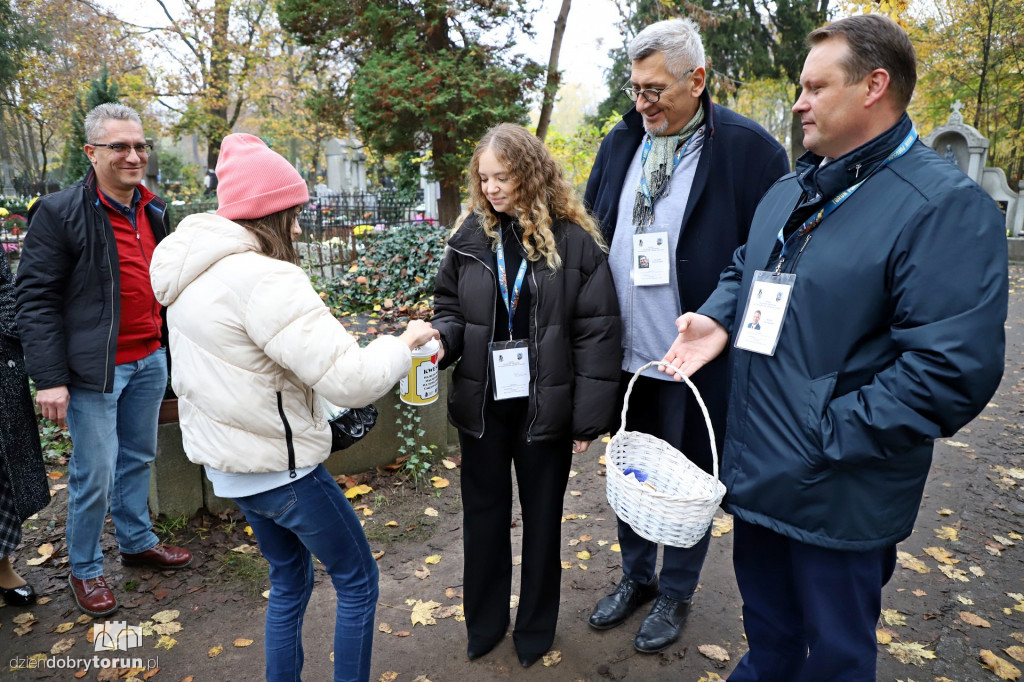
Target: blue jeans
{"x":290,"y":522}
{"x":114,"y":436}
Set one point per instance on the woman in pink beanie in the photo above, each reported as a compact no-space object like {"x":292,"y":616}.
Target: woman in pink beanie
{"x":254,"y":349}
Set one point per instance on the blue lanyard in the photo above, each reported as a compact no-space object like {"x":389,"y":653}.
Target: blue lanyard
{"x":510,"y":302}
{"x":676,"y":158}
{"x":840,"y":198}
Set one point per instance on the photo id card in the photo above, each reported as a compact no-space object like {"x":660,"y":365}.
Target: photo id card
{"x":511,"y":362}
{"x":650,"y":259}
{"x":765,"y":312}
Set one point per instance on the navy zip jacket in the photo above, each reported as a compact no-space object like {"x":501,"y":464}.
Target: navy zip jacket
{"x":69,"y":289}
{"x":738,"y":163}
{"x":893,"y":338}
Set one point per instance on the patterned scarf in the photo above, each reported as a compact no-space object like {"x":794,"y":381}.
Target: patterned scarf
{"x":657,"y":170}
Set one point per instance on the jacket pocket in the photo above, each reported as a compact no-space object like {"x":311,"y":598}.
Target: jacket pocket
{"x":819,"y":396}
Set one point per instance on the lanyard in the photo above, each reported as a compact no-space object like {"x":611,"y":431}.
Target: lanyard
{"x":840,"y":198}
{"x":513,"y":301}
{"x":676,"y":158}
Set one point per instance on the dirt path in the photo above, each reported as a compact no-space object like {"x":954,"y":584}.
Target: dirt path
{"x":971,"y":524}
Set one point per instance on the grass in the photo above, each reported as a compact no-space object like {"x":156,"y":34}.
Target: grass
{"x":167,"y":526}
{"x":249,"y":571}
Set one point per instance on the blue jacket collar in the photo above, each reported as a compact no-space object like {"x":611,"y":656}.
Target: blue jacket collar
{"x":851,"y":167}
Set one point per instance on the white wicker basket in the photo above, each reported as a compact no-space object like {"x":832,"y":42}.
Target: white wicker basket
{"x":678,"y":500}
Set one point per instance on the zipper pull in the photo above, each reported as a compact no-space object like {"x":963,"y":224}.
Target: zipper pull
{"x":856,"y":175}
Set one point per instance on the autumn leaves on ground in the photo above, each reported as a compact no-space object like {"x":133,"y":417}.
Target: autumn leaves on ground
{"x":953,"y":612}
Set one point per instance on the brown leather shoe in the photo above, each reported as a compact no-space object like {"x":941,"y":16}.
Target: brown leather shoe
{"x":93,"y":596}
{"x":165,"y":557}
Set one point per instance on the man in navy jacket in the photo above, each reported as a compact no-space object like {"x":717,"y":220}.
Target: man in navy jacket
{"x":888,"y":334}
{"x":674,"y":187}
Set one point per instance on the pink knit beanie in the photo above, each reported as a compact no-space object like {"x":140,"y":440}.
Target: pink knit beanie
{"x":253,"y":181}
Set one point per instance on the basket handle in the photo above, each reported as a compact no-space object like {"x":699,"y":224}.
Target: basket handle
{"x":696,"y":393}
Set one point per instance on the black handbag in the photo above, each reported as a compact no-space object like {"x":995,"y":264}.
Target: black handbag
{"x":351,"y":425}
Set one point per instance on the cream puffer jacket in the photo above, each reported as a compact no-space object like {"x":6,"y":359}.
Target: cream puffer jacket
{"x":253,"y":347}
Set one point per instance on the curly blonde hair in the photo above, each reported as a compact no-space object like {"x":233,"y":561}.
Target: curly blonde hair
{"x":541,"y":196}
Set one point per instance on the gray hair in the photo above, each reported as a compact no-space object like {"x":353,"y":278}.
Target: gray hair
{"x":111,"y":111}
{"x":677,"y":39}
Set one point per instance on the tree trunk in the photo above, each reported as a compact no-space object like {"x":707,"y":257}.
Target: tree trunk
{"x":554,"y":77}
{"x":216,"y":82}
{"x":796,"y":136}
{"x":985,"y":48}
{"x":448,"y":204}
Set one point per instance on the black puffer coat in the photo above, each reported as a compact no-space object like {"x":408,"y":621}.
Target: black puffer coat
{"x":575,"y":337}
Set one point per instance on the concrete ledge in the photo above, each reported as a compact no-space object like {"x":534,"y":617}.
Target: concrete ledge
{"x":1015,"y":246}
{"x":177,"y":486}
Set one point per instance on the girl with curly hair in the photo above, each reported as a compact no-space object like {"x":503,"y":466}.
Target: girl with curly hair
{"x":525,"y":304}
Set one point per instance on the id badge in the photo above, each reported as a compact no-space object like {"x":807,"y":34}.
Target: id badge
{"x":765,"y":312}
{"x":511,"y":363}
{"x":650,"y":259}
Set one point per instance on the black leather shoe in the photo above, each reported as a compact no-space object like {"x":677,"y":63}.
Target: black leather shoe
{"x":617,"y":606}
{"x":662,"y":625}
{"x":526,"y":660}
{"x":18,"y":596}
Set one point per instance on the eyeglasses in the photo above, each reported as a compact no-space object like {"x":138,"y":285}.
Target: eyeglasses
{"x":122,"y":149}
{"x":652,"y":95}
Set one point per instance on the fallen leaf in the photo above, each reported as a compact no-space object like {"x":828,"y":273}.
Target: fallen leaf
{"x":358,"y":490}
{"x":893,"y":617}
{"x":566,"y":565}
{"x":83,"y":619}
{"x":430,"y":511}
{"x":941,"y":554}
{"x":367,"y":512}
{"x":601,"y":461}
{"x":433,"y":559}
{"x":165,"y":642}
{"x":575,"y":493}
{"x":551,"y":659}
{"x":24,"y":618}
{"x":883,"y":636}
{"x":945,"y":512}
{"x":1006,"y":542}
{"x":583,"y":567}
{"x":422,"y":573}
{"x":615,"y":548}
{"x":448,"y":464}
{"x":919,"y":593}
{"x":167,"y":628}
{"x":910,"y":652}
{"x":387,"y":675}
{"x":149,"y":674}
{"x":975,"y":620}
{"x":573,"y":473}
{"x":957,"y":444}
{"x":1003,"y":669}
{"x":401,"y":633}
{"x":1015,"y":652}
{"x":421,"y":678}
{"x":242,"y":642}
{"x":265,"y":594}
{"x":721,"y":525}
{"x":447,"y":611}
{"x":385,"y":628}
{"x":586,"y":538}
{"x":439,"y":482}
{"x":602,"y":543}
{"x":947,"y":533}
{"x":714,"y":652}
{"x":422,"y":612}
{"x":23,"y":629}
{"x":584,"y":555}
{"x":54,"y":475}
{"x":246,"y":549}
{"x":63,"y":627}
{"x":977,"y":571}
{"x":391,"y":524}
{"x":954,"y":573}
{"x":573,"y":542}
{"x":709,"y":676}
{"x":216,"y":651}
{"x":165,"y":616}
{"x":248,"y":530}
{"x":452,"y":593}
{"x":45,"y":552}
{"x":966,"y":601}
{"x":62,"y":646}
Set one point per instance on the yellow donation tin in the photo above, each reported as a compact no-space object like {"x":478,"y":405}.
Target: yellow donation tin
{"x":419,"y":386}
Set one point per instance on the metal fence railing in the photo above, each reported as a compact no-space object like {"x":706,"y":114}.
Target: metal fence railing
{"x":335,"y":226}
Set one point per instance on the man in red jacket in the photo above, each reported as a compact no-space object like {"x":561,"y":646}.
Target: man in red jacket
{"x":92,"y":332}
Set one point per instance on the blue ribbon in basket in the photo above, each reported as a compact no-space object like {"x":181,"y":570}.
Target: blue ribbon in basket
{"x":637,"y":474}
